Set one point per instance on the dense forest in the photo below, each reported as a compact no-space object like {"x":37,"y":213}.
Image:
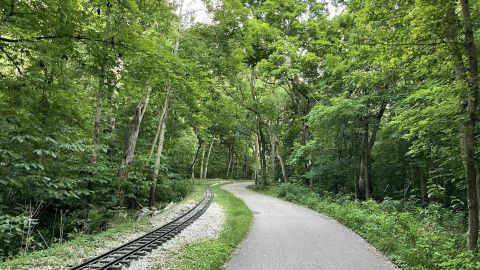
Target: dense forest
{"x":112,"y":105}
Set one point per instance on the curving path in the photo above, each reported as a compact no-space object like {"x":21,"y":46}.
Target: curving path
{"x":287,"y":236}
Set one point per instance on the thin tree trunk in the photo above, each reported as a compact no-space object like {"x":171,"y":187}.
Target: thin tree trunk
{"x":131,"y":142}
{"x":364,"y":174}
{"x":233,"y":171}
{"x":263,"y":160}
{"x":161,"y":120}
{"x":245,"y":166}
{"x":255,"y":152}
{"x":113,"y":120}
{"x":175,"y":52}
{"x":157,"y":133}
{"x":235,"y":167}
{"x":205,"y":171}
{"x":192,"y":167}
{"x":306,"y":138}
{"x":230,"y":159}
{"x":158,"y":156}
{"x":101,"y":88}
{"x":260,"y":134}
{"x":12,"y":8}
{"x":469,"y":128}
{"x":202,"y":161}
{"x":98,"y":114}
{"x":279,"y":157}
{"x":272,"y":154}
{"x":282,"y":164}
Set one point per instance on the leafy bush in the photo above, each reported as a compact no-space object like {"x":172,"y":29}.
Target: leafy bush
{"x":11,"y":232}
{"x":172,"y":190}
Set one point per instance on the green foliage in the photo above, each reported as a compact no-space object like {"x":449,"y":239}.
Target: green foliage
{"x":58,"y":58}
{"x":11,"y":232}
{"x":374,"y":93}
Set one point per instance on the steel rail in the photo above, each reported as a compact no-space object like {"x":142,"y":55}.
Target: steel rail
{"x":122,"y":255}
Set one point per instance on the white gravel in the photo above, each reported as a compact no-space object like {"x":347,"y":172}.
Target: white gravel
{"x":208,"y":226}
{"x":155,"y":221}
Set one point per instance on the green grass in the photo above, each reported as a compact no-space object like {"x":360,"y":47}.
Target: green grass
{"x":213,"y":254}
{"x":431,"y":238}
{"x":83,"y":246}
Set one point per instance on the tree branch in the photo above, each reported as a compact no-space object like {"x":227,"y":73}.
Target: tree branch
{"x":39,"y":38}
{"x":10,"y":58}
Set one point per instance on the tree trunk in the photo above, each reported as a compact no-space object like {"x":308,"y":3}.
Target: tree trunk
{"x":263,"y":159}
{"x":245,"y":166}
{"x":272,"y":154}
{"x":260,"y":134}
{"x":282,"y":166}
{"x":131,"y":142}
{"x":158,"y":156}
{"x":469,"y":128}
{"x":98,"y":114}
{"x":255,"y":152}
{"x":364,"y":174}
{"x":161,"y":120}
{"x":279,"y":157}
{"x":192,"y":167}
{"x":230,"y":159}
{"x":202,"y":161}
{"x":234,"y":172}
{"x":193,"y":170}
{"x":12,"y":8}
{"x":364,"y":177}
{"x":101,"y":89}
{"x":205,"y":171}
{"x":157,"y":133}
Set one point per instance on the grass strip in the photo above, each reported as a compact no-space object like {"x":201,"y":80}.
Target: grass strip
{"x":213,"y":254}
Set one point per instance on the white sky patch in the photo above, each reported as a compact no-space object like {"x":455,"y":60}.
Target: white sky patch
{"x":334,"y":10}
{"x":194,"y":11}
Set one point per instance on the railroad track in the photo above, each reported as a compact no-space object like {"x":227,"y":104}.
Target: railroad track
{"x":120,"y":257}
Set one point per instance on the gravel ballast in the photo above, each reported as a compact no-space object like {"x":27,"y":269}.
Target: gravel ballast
{"x":154,"y":222}
{"x":208,"y":226}
{"x":64,"y":256}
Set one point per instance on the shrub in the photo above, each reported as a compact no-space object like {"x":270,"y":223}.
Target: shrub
{"x":11,"y":232}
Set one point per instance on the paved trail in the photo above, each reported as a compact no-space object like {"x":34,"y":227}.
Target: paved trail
{"x":285,"y":236}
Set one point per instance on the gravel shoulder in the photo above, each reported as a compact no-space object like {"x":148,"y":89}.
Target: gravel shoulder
{"x":208,"y":226}
{"x":66,"y":255}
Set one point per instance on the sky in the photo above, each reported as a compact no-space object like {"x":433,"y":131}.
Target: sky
{"x":200,"y":14}
{"x":198,"y":9}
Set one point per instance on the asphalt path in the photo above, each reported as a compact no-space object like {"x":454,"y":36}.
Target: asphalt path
{"x":288,"y":236}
